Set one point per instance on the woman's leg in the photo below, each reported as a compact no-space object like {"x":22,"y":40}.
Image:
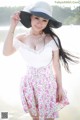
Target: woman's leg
{"x":35,"y":118}
{"x":49,"y":119}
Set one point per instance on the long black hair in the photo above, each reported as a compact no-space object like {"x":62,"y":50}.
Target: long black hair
{"x":64,"y":55}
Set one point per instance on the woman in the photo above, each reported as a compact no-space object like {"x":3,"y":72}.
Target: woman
{"x":42,"y":93}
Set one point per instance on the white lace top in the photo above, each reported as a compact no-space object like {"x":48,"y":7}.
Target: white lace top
{"x":36,"y":58}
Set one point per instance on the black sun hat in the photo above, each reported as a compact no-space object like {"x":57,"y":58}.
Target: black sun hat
{"x":40,"y":9}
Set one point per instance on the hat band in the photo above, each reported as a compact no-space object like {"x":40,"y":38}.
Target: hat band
{"x":42,"y":11}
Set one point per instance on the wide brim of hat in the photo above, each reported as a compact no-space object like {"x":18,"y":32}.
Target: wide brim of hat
{"x":26,"y":21}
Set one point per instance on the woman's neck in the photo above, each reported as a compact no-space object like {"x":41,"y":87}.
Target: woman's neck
{"x":35,"y":33}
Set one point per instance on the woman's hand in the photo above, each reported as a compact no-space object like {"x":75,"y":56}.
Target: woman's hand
{"x":59,"y":95}
{"x":15,"y":19}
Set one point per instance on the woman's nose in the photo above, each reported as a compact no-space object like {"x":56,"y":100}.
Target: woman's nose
{"x":39,"y":22}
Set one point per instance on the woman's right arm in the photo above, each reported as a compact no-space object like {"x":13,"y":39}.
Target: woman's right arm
{"x":8,"y":47}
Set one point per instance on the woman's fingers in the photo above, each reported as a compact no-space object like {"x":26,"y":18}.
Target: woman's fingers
{"x":59,"y":96}
{"x":15,"y":16}
{"x":15,"y":19}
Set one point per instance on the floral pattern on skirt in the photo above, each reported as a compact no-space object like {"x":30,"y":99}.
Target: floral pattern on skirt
{"x":39,"y":93}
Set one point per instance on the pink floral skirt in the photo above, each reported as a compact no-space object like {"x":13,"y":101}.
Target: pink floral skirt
{"x":39,"y":93}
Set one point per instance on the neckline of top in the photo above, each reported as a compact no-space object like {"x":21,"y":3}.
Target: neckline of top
{"x":36,"y":51}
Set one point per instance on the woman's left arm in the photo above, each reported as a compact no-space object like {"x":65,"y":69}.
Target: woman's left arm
{"x":57,"y":70}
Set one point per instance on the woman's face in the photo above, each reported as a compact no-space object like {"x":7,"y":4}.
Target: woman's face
{"x":38,"y":23}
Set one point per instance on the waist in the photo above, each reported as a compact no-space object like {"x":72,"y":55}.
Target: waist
{"x":37,"y":72}
{"x":48,"y":69}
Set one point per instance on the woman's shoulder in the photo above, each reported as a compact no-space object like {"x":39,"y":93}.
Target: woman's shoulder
{"x":22,"y":37}
{"x":48,"y":38}
{"x":19,"y":39}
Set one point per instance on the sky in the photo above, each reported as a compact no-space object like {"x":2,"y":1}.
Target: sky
{"x":20,"y":2}
{"x":29,"y":2}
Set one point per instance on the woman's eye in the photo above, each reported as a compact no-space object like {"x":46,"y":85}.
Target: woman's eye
{"x":45,"y":20}
{"x":36,"y":18}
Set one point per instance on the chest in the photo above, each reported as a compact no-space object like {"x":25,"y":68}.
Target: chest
{"x":36,"y":58}
{"x":36,"y":43}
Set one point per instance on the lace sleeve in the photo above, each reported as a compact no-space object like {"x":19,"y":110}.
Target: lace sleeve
{"x":54,"y":45}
